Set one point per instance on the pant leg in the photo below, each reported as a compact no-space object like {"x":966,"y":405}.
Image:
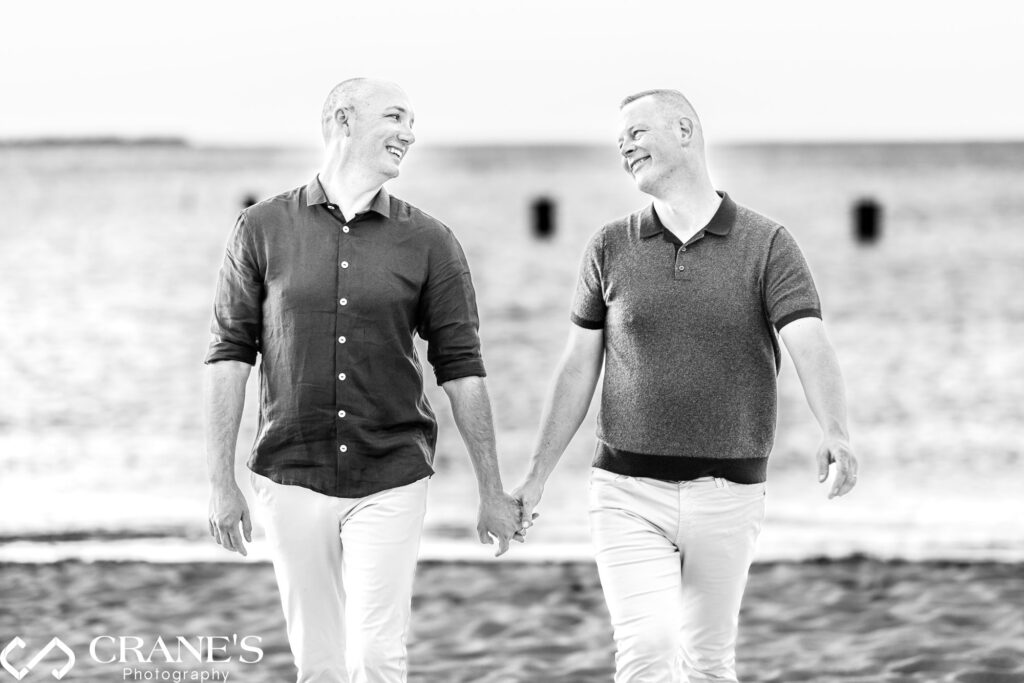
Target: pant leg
{"x":302,"y":530}
{"x":721,"y":524}
{"x":381,"y":540}
{"x":632,"y":522}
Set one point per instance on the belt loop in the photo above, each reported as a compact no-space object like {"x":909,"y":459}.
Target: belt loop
{"x":719,"y":483}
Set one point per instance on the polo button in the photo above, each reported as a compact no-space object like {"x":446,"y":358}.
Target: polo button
{"x":345,"y":229}
{"x":342,"y":448}
{"x":343,"y":302}
{"x":341,"y":340}
{"x":344,"y":264}
{"x":682,"y":248}
{"x":341,"y":413}
{"x":682,"y":267}
{"x":342,"y":377}
{"x":331,"y":207}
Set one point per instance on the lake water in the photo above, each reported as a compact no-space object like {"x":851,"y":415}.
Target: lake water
{"x":108,"y":257}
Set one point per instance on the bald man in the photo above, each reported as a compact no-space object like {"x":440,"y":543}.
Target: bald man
{"x":328,"y":282}
{"x":682,"y":303}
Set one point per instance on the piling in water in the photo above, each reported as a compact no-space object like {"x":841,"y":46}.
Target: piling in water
{"x":543,"y":211}
{"x":867,"y":221}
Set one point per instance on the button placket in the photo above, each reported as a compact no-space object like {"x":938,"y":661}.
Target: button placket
{"x":340,"y":330}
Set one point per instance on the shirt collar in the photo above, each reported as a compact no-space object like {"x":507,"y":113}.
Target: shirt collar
{"x":720,"y":224}
{"x":315,"y":195}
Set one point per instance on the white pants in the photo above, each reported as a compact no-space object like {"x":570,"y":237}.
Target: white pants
{"x":345,"y":569}
{"x":673,"y":560}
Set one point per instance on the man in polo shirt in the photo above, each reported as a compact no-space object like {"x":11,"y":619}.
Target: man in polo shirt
{"x":681,"y":303}
{"x":329,"y":282}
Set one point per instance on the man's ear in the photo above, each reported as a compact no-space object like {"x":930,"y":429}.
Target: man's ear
{"x":685,"y":128}
{"x":342,"y":119}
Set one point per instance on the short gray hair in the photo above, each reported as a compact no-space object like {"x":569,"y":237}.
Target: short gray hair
{"x":666,"y":97}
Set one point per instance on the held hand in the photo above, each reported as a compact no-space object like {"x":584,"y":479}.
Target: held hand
{"x":838,"y":451}
{"x":227,"y":509}
{"x":499,"y":517}
{"x":528,"y":495}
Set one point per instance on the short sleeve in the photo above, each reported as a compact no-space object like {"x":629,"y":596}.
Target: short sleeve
{"x":447,"y":317}
{"x":238,"y":303}
{"x":588,"y":304}
{"x":789,"y":291}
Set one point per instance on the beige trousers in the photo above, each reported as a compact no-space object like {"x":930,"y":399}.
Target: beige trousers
{"x":345,"y":569}
{"x":673,"y":560}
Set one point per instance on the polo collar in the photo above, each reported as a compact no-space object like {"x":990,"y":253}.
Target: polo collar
{"x":720,"y":224}
{"x":315,"y":195}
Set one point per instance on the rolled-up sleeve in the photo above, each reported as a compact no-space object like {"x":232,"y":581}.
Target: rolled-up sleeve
{"x":789,"y":291}
{"x":237,"y":308}
{"x":588,"y":305}
{"x":447,"y":318}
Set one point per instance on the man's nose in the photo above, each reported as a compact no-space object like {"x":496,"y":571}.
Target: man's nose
{"x":627,"y":149}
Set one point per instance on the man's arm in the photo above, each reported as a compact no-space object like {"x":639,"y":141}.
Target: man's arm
{"x":818,"y":368}
{"x":565,"y":406}
{"x":471,"y":406}
{"x":223,"y":400}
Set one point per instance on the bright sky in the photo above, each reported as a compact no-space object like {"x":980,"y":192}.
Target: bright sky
{"x":227,"y":71}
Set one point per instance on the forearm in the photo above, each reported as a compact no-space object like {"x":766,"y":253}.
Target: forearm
{"x":822,"y":380}
{"x":223,"y":401}
{"x":471,"y":407}
{"x":565,"y":406}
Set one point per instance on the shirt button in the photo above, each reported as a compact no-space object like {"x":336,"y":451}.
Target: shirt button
{"x":341,"y":340}
{"x":341,"y":413}
{"x":345,"y":229}
{"x":331,"y":207}
{"x":344,"y":264}
{"x":682,"y":267}
{"x":342,"y":448}
{"x":342,"y":377}
{"x":682,"y":248}
{"x":343,"y":302}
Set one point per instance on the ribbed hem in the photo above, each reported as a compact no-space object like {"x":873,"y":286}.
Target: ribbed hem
{"x":587,"y":324}
{"x":796,"y":315}
{"x":680,"y":467}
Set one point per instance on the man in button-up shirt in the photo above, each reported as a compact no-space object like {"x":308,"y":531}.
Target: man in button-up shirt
{"x":328,"y":283}
{"x":682,"y":303}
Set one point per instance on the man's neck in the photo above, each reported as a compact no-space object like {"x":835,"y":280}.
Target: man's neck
{"x":351,"y":192}
{"x":686,"y":213}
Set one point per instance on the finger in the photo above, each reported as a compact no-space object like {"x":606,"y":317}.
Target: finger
{"x":822,"y":458}
{"x":224,"y":537}
{"x":247,"y":525}
{"x":209,"y":523}
{"x":524,"y":513}
{"x":842,"y":476}
{"x":851,"y":481}
{"x":519,"y":537}
{"x":229,"y":537}
{"x":502,"y":546}
{"x":236,"y":540}
{"x":485,"y":538}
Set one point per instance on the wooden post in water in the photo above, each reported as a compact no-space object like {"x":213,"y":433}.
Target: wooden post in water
{"x":543,"y":213}
{"x":867,"y":221}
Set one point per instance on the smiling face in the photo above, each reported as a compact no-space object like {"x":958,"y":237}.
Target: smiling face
{"x":652,"y":143}
{"x":377,"y":130}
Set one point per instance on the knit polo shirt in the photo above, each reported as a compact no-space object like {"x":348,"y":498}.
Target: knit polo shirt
{"x":691,"y":352}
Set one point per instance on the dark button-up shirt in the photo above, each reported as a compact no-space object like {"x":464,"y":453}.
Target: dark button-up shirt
{"x":691,"y":352}
{"x":332,"y":306}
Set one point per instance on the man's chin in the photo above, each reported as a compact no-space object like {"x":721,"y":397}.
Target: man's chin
{"x":643,"y":184}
